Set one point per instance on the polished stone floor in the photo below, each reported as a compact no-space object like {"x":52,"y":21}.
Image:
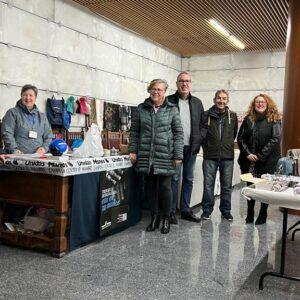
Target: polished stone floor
{"x":211,"y":260}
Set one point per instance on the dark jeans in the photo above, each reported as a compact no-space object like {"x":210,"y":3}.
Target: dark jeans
{"x":210,"y":168}
{"x":188,"y":165}
{"x":159,"y":193}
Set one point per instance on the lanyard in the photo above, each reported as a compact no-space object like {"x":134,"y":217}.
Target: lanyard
{"x":31,"y":120}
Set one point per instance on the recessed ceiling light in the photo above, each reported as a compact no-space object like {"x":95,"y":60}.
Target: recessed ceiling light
{"x":216,"y":25}
{"x":222,"y":30}
{"x":236,"y":42}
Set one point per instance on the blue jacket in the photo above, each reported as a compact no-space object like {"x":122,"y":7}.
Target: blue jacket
{"x":17,"y":123}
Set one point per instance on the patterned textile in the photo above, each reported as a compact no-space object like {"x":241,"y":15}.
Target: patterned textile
{"x":93,"y":115}
{"x":125,"y":117}
{"x":111,"y":116}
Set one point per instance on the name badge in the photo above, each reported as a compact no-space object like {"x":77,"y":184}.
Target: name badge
{"x":32,"y":134}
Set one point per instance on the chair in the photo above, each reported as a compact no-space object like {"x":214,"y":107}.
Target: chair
{"x":72,"y":135}
{"x":296,"y":154}
{"x":114,"y":139}
{"x":104,"y":139}
{"x":125,"y":137}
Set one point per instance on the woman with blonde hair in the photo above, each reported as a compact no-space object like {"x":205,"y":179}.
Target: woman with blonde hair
{"x":156,"y":146}
{"x":259,"y":143}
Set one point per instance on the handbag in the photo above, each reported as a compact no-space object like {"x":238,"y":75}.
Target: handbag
{"x":57,"y":114}
{"x":55,"y":111}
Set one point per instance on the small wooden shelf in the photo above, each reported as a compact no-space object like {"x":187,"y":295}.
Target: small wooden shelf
{"x":25,"y":239}
{"x":38,"y":190}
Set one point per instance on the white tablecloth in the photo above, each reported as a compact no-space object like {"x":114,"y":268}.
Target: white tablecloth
{"x":260,"y":193}
{"x":74,"y":166}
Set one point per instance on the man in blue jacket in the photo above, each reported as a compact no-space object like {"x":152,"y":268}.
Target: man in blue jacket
{"x":191,"y":115}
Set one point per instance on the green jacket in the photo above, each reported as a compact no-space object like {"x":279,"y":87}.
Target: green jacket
{"x":156,"y":138}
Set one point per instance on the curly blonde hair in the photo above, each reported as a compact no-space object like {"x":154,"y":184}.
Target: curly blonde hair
{"x":272,"y":112}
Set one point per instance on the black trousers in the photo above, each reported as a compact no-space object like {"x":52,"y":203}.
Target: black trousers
{"x":159,"y":193}
{"x":251,"y":203}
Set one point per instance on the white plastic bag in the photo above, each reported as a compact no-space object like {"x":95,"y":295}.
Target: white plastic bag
{"x":92,"y":144}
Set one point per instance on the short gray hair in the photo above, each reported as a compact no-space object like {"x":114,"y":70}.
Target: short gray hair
{"x":27,"y":87}
{"x":155,"y":81}
{"x":218,"y":92}
{"x":183,"y":73}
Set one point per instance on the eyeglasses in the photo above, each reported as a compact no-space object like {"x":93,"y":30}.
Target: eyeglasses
{"x":260,"y":102}
{"x":184,"y":81}
{"x":156,"y":91}
{"x":222,"y":98}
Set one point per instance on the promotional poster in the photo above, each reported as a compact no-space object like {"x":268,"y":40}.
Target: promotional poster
{"x":114,"y":200}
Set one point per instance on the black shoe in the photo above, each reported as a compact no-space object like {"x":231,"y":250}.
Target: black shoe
{"x":155,"y":220}
{"x":173,"y":219}
{"x":205,"y":216}
{"x":189,"y":216}
{"x":227,"y":217}
{"x":165,"y":228}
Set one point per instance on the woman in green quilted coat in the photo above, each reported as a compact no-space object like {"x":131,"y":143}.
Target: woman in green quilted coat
{"x":156,"y":147}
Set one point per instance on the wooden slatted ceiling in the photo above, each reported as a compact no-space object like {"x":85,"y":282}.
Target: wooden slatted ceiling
{"x":182,"y":25}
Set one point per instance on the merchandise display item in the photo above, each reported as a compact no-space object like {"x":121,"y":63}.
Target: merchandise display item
{"x":280,"y":185}
{"x":285,"y":166}
{"x":58,"y":147}
{"x":297,"y":189}
{"x":111,"y":117}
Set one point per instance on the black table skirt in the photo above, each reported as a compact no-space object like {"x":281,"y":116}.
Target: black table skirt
{"x":85,"y":207}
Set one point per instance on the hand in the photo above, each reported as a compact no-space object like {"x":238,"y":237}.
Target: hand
{"x":132,"y":157}
{"x":252,"y":157}
{"x":41,"y":150}
{"x":2,"y":158}
{"x":177,"y":162}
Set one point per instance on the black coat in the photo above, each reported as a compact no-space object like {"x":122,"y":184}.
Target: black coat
{"x":197,"y":112}
{"x":221,"y":132}
{"x":263,"y":139}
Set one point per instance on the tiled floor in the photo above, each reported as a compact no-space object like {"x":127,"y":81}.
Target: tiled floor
{"x":211,"y":260}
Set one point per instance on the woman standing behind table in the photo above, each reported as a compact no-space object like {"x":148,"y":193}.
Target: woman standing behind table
{"x":156,"y":145}
{"x":24,"y":128}
{"x":259,"y":143}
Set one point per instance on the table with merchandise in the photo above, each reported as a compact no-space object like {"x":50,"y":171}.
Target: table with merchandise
{"x":68,"y":202}
{"x":283,"y":191}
